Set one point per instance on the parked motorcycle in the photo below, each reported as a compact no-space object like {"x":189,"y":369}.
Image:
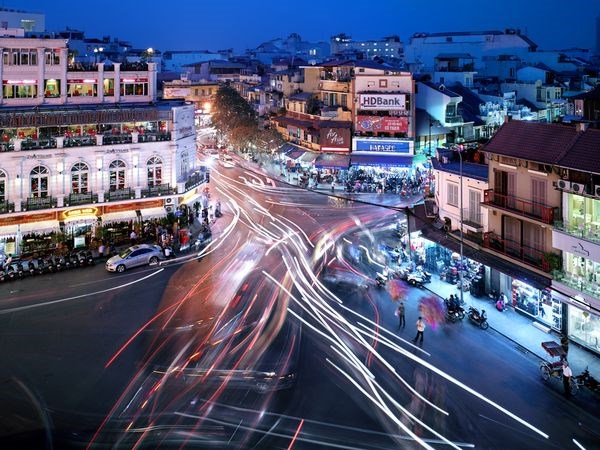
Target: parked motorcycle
{"x":587,"y":380}
{"x":478,"y":318}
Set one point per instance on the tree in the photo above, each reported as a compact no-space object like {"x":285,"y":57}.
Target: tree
{"x":231,"y":111}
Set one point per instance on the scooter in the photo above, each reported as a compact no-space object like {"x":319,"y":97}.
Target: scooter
{"x":587,"y":380}
{"x":478,"y":318}
{"x":380,"y":280}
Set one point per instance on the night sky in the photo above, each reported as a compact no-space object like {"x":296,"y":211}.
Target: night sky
{"x":240,"y":24}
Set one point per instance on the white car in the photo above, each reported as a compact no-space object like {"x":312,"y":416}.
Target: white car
{"x":227,"y":161}
{"x":136,"y":255}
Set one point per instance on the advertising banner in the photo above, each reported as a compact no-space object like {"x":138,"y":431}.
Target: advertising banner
{"x":382,"y":124}
{"x":394,"y":146}
{"x":335,"y":139}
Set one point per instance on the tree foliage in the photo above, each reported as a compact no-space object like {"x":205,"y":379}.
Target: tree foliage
{"x":231,"y":111}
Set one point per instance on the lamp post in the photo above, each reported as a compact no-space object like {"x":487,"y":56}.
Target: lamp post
{"x":460,"y":169}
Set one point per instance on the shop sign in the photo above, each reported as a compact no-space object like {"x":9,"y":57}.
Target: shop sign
{"x":382,"y":124}
{"x":335,"y":139}
{"x":575,"y":246}
{"x":132,"y":206}
{"x":384,"y":102}
{"x":15,"y":220}
{"x":382,"y":146}
{"x":79,"y":212}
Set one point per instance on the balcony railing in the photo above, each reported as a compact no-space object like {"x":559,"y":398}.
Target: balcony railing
{"x":517,"y":251}
{"x":121,"y":138}
{"x":577,"y":282}
{"x":35,"y":203}
{"x":153,"y":137}
{"x":120,"y":194}
{"x":81,"y":199}
{"x":589,"y":231}
{"x":6,"y":207}
{"x":195,"y":179}
{"x":472,"y":218}
{"x":79,"y":141}
{"x":36,"y":144}
{"x":158,"y":190}
{"x":453,"y":119}
{"x":533,"y":210}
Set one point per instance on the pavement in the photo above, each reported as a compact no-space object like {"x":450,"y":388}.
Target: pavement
{"x":512,"y":325}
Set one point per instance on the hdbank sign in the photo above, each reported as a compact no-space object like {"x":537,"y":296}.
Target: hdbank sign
{"x":386,"y":102}
{"x":395,"y":146}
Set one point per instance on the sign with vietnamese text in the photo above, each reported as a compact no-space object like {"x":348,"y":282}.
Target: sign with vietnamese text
{"x":375,"y":124}
{"x":395,"y":146}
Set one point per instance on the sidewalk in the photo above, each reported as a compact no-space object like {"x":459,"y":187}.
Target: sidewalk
{"x":518,"y":328}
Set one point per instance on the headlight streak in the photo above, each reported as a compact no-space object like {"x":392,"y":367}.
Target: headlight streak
{"x":578,"y":444}
{"x":430,"y":367}
{"x":383,"y":408}
{"x":295,"y":225}
{"x":371,"y":260}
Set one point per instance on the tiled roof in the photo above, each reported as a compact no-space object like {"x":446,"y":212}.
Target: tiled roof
{"x":533,"y":141}
{"x":594,"y":94}
{"x":584,"y":154}
{"x":469,"y":169}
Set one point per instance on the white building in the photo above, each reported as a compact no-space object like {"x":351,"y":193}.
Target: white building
{"x":86,"y":145}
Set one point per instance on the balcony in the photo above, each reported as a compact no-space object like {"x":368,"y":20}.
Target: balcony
{"x":577,"y":282}
{"x":81,"y":199}
{"x":153,"y":137}
{"x":79,"y":141}
{"x":6,"y":207}
{"x":453,"y":119}
{"x":119,"y":194}
{"x":36,"y":203}
{"x":524,"y":208}
{"x":158,"y":190}
{"x":119,"y":138}
{"x":195,"y":179}
{"x":588,"y":231}
{"x":517,"y":251}
{"x":37,"y":144}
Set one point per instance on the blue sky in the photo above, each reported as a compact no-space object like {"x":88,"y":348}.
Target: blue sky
{"x":213,"y":25}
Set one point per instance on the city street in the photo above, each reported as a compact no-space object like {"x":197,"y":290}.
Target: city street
{"x":275,"y":336}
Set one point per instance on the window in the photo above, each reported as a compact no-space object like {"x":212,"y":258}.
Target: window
{"x":52,"y":57}
{"x":134,"y":87}
{"x":452,"y":199}
{"x":38,"y":182}
{"x":383,"y":83}
{"x":79,"y":178}
{"x":109,"y":86}
{"x":344,"y":100}
{"x":19,"y":89}
{"x":20,"y":57}
{"x":116,"y":175}
{"x":154,"y":171}
{"x":51,"y":88}
{"x":184,"y":165}
{"x":83,"y":88}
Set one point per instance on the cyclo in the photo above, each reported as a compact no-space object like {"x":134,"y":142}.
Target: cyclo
{"x":554,"y":368}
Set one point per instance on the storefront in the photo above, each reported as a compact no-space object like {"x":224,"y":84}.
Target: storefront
{"x":582,"y":316}
{"x":79,"y":225}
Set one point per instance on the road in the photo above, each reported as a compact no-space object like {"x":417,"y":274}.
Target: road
{"x":193,"y":353}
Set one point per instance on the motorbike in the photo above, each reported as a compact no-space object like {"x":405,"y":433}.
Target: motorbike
{"x":380,"y":280}
{"x":478,"y":318}
{"x":454,"y":312}
{"x":587,"y":380}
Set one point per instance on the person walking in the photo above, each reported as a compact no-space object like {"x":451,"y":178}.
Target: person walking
{"x":420,"y":328}
{"x":567,"y":374}
{"x":400,"y":314}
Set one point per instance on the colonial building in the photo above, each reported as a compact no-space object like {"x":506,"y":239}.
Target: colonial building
{"x":84,"y":146}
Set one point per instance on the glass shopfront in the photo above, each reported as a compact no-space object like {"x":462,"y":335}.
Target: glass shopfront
{"x":584,"y":328}
{"x":536,"y":303}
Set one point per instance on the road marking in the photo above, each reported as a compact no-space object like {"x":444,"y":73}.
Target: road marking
{"x":76,"y":297}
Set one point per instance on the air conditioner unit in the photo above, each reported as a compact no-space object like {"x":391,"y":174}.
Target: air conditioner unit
{"x":597,"y":190}
{"x":169,"y":208}
{"x":564,"y":185}
{"x":577,"y":188}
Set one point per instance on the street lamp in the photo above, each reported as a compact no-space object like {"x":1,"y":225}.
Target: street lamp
{"x":460,"y":149}
{"x":96,"y":51}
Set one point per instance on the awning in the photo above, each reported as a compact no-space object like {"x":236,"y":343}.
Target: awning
{"x":332,"y":161}
{"x":39,"y":227}
{"x":382,"y":160}
{"x":308,"y":157}
{"x":293,"y":152}
{"x":153,"y":213}
{"x":120,"y":216}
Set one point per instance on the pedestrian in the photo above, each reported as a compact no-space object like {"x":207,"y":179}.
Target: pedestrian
{"x":567,"y":374}
{"x":101,"y":249}
{"x":420,"y":328}
{"x":133,"y":237}
{"x":400,"y":314}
